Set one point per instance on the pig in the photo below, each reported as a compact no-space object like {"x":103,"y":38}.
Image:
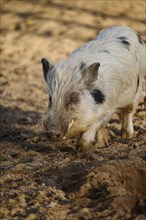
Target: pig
{"x":99,"y":79}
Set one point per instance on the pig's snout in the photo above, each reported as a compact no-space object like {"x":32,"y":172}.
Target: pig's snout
{"x":54,"y":135}
{"x":52,"y":131}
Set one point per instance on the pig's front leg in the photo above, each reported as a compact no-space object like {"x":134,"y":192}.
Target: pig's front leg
{"x":91,"y":137}
{"x":87,"y":139}
{"x":95,"y":131}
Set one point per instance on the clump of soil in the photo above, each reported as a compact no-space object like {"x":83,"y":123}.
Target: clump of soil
{"x":44,"y":179}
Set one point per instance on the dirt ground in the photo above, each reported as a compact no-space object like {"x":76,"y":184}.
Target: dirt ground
{"x":42,"y":179}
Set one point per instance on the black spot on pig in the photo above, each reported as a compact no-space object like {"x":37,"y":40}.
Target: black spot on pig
{"x":124,"y":42}
{"x":50,"y":101}
{"x":139,"y":39}
{"x":71,"y":99}
{"x":122,"y":38}
{"x":82,"y":65}
{"x":103,"y":51}
{"x":98,"y":96}
{"x":137,"y":84}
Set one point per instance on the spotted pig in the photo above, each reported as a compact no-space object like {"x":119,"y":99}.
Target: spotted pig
{"x":100,"y":78}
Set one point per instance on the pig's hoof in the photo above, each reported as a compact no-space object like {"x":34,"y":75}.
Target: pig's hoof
{"x":83,"y":145}
{"x":126,"y":135}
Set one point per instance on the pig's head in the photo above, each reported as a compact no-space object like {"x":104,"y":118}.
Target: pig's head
{"x":72,"y":100}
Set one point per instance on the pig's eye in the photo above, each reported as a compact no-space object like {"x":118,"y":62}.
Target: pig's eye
{"x":50,"y":101}
{"x":71,"y":99}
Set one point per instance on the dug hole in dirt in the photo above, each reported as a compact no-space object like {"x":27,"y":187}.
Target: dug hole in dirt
{"x":42,"y":179}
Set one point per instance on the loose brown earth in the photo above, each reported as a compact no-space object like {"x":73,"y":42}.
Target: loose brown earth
{"x":42,"y":179}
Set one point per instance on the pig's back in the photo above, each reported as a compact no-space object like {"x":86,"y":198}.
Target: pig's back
{"x":117,"y":44}
{"x":126,"y":34}
{"x":121,"y":54}
{"x":115,"y":32}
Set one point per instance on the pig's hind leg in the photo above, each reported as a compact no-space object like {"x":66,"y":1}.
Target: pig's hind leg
{"x":102,"y":137}
{"x":126,"y":115}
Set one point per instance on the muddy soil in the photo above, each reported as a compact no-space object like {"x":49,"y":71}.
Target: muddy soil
{"x":42,"y":179}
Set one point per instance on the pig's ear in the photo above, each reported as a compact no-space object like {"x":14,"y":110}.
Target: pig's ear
{"x":90,"y":74}
{"x":47,"y":66}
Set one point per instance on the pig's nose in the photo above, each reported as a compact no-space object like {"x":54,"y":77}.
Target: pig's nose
{"x":54,"y":135}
